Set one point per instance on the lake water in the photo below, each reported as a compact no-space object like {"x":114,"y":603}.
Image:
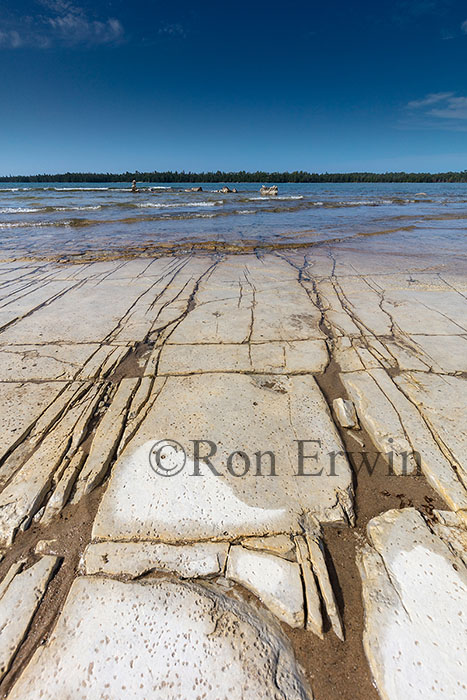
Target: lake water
{"x":60,"y":220}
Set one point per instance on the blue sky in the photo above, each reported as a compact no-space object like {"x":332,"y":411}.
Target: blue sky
{"x":336,"y":86}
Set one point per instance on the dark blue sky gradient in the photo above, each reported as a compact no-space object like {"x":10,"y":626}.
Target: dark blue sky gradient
{"x":337,"y":86}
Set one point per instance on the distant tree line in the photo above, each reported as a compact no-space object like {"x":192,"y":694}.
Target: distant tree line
{"x":241,"y":176}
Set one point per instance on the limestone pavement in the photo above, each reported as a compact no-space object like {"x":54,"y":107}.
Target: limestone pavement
{"x":187,"y":392}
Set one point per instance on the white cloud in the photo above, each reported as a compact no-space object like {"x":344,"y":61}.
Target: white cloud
{"x":464,"y":26}
{"x":440,"y":110}
{"x":455,"y":108}
{"x":59,"y":23}
{"x":430,"y":99}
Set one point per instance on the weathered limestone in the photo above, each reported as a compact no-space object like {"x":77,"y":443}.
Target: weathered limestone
{"x":10,"y":574}
{"x":24,"y":494}
{"x":321,"y":570}
{"x":314,"y":620}
{"x":415,"y":597}
{"x":447,"y":354}
{"x":341,"y":322}
{"x":64,"y":487}
{"x":305,"y":356}
{"x":378,"y":415}
{"x":43,"y":362}
{"x":224,"y":349}
{"x":275,"y":581}
{"x":152,"y":639}
{"x":452,"y":529}
{"x":345,"y":413}
{"x":442,"y":402}
{"x":106,"y":439}
{"x":143,"y":398}
{"x":346,"y":355}
{"x":22,"y":404}
{"x":134,"y":559}
{"x":41,"y":295}
{"x":19,"y":599}
{"x":276,"y":544}
{"x":75,"y":316}
{"x":238,"y":303}
{"x":397,"y":424}
{"x":236,"y":413}
{"x":103,"y":361}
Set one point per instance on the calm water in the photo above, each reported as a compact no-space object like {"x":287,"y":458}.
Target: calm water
{"x":62,"y":219}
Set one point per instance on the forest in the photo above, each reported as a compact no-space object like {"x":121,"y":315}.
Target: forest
{"x":241,"y":176}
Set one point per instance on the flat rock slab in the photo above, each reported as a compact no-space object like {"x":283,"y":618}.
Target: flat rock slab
{"x":442,"y":401}
{"x":397,"y":415}
{"x":236,"y":413}
{"x":302,"y":356}
{"x":22,"y":404}
{"x":19,"y":598}
{"x":281,"y":545}
{"x":415,"y":599}
{"x":275,"y":581}
{"x":446,"y":354}
{"x":43,"y":362}
{"x":246,"y":299}
{"x":136,"y":558}
{"x":159,"y":639}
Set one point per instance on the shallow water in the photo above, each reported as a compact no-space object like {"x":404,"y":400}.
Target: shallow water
{"x":81,"y":219}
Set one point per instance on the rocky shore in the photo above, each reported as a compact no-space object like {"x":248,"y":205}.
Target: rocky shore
{"x":183,"y":513}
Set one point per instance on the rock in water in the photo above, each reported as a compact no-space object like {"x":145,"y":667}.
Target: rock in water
{"x":270,"y":191}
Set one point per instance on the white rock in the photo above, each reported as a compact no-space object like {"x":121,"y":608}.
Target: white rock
{"x":136,"y":558}
{"x":18,"y":604}
{"x":22,"y":404}
{"x":304,"y":356}
{"x":106,"y":439}
{"x":442,"y":401}
{"x":46,"y":547}
{"x":415,"y":598}
{"x":276,"y":544}
{"x":321,"y":570}
{"x":345,"y":413}
{"x":43,"y":362}
{"x":162,"y":639}
{"x":378,"y":415}
{"x":275,"y":581}
{"x":24,"y":494}
{"x":236,"y":412}
{"x":314,"y":620}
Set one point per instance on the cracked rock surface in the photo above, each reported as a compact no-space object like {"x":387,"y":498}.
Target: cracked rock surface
{"x":132,"y":568}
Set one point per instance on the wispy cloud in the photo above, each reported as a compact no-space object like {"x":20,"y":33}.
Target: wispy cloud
{"x":464,"y":26}
{"x":431,"y":99}
{"x":441,"y":110}
{"x":453,"y":108}
{"x":58,"y":23}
